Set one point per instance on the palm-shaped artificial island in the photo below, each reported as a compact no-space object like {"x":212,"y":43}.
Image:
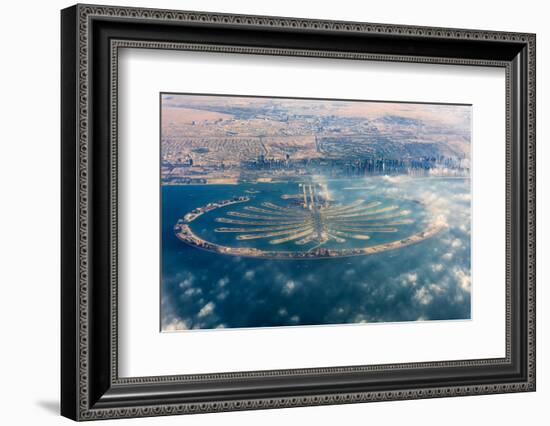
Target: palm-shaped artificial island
{"x":309,"y":220}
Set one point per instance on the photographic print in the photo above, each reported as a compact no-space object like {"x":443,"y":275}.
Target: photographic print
{"x":306,"y":212}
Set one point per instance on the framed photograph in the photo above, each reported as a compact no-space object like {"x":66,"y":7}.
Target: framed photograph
{"x":263,"y":212}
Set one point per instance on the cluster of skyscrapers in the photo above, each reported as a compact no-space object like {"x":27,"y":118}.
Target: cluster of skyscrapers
{"x":341,"y":167}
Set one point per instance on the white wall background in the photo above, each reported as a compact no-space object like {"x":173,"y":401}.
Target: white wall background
{"x":29,"y":213}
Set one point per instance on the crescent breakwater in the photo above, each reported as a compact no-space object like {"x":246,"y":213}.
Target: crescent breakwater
{"x":184,"y":233}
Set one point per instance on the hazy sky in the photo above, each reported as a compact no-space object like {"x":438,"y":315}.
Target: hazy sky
{"x":448,"y":115}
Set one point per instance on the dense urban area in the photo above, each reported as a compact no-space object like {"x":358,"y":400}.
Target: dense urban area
{"x":216,"y":139}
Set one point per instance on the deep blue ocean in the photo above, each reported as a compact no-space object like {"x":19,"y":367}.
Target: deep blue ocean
{"x":429,"y":280}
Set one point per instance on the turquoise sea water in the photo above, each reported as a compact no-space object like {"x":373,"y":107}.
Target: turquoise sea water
{"x":429,"y":280}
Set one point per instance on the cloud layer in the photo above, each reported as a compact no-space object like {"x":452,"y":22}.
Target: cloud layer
{"x":427,"y":281}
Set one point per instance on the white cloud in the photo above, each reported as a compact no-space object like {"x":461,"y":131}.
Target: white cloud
{"x":464,"y":280}
{"x":222,"y":282}
{"x":464,"y":228}
{"x":423,"y":296}
{"x":187,"y":282}
{"x":456,"y":243}
{"x":289,"y":287}
{"x":447,"y":256}
{"x":440,"y":220}
{"x":436,"y":289}
{"x":391,"y":190}
{"x":192,"y":292}
{"x":174,"y":325}
{"x":207,"y":309}
{"x":466,"y":197}
{"x":411,"y":278}
{"x":249,"y":275}
{"x":396,"y":179}
{"x":360,"y":318}
{"x":437,"y":267}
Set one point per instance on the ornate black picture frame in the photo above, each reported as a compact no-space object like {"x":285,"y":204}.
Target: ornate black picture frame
{"x":90,"y":38}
